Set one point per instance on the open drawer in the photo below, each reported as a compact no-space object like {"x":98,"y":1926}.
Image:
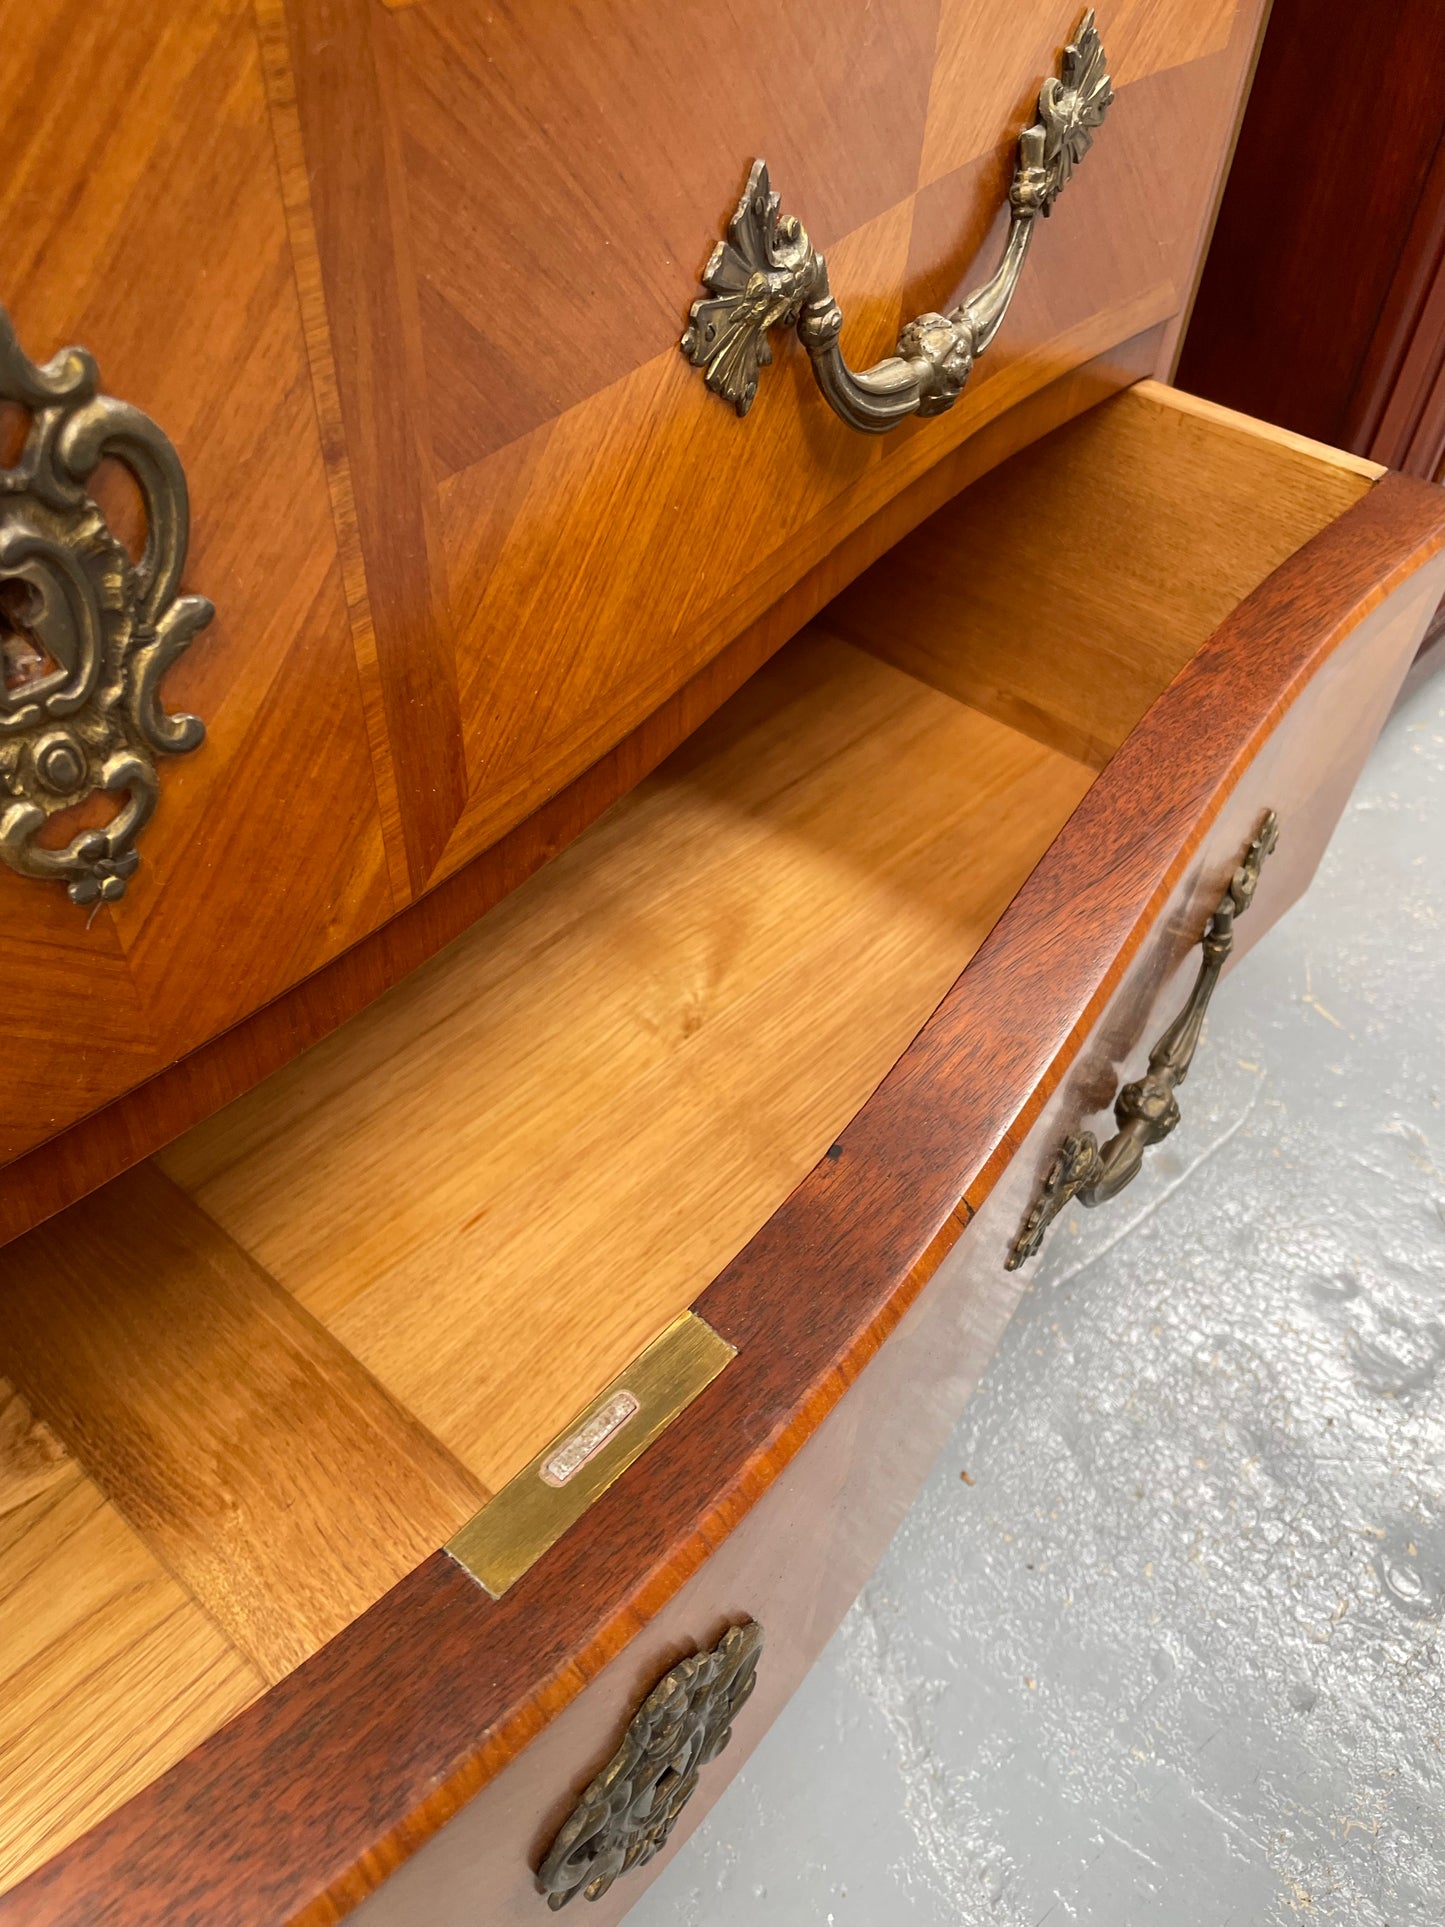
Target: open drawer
{"x":567,"y":1250}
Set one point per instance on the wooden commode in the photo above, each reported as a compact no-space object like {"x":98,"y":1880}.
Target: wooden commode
{"x":635,"y":727}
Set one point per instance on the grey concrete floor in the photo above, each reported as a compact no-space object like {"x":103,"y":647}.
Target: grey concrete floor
{"x":1173,"y":1654}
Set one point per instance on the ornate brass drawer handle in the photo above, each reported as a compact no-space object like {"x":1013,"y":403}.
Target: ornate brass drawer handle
{"x":1148,"y":1111}
{"x":768,"y":275}
{"x":85,"y":633}
{"x":625,"y":1816}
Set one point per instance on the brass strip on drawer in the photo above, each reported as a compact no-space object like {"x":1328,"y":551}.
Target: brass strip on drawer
{"x":534,"y":1508}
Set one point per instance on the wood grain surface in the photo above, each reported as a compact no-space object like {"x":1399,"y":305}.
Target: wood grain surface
{"x":627,"y":1034}
{"x":1366,"y":367}
{"x":606,"y":1086}
{"x":109,"y":1670}
{"x":467,"y":516}
{"x":248,"y":1449}
{"x":1398,"y":410}
{"x":95,"y":1150}
{"x":1097,"y":531}
{"x":142,"y":219}
{"x":651,"y":459}
{"x":798,"y":1559}
{"x":367,"y":1747}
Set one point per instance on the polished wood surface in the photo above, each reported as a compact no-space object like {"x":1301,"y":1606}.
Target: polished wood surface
{"x":295,"y":1394}
{"x":487,"y":444}
{"x":142,"y":218}
{"x":1430,"y":660}
{"x":1364,"y":220}
{"x":369,"y":1745}
{"x":608,"y":1084}
{"x":95,"y":1150}
{"x":468,"y":517}
{"x":1097,"y":532}
{"x":835,"y":1506}
{"x":1397,"y":411}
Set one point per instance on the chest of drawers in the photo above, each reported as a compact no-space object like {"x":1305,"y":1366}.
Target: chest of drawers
{"x":504,"y":1204}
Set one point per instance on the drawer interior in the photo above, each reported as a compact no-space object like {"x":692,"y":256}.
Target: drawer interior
{"x":1063,"y":592}
{"x":251,"y":1384}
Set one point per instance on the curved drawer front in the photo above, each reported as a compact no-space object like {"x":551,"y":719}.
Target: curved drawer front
{"x":603,"y":525}
{"x":410,"y":311}
{"x":286,"y":1372}
{"x":796,"y":1562}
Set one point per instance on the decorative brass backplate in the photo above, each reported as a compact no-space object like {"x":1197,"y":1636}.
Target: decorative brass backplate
{"x":767,"y":274}
{"x":628,"y":1811}
{"x":1147,"y":1111}
{"x":85,"y":633}
{"x":537,"y":1505}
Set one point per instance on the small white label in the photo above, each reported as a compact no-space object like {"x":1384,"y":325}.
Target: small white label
{"x":574,"y":1452}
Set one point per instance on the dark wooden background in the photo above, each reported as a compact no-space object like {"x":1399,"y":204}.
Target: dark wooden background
{"x":1322,"y":305}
